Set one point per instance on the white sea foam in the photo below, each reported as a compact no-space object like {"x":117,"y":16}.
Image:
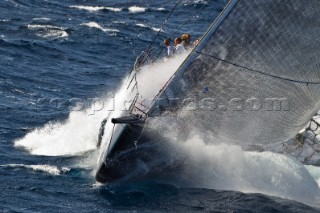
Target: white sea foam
{"x":52,"y":170}
{"x":40,"y":26}
{"x":161,"y":9}
{"x":96,"y":8}
{"x":315,"y":173}
{"x":42,"y":19}
{"x":88,"y":8}
{"x":48,"y":31}
{"x":119,"y":22}
{"x":149,"y":85}
{"x":53,"y":34}
{"x":186,"y":3}
{"x":79,"y":133}
{"x":98,"y":26}
{"x":145,"y":26}
{"x":136,"y":9}
{"x":73,"y":137}
{"x":227,"y":167}
{"x":156,"y":29}
{"x":141,"y":25}
{"x":201,"y":2}
{"x":113,"y":9}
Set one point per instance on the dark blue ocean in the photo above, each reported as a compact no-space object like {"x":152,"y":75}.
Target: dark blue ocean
{"x":58,"y":60}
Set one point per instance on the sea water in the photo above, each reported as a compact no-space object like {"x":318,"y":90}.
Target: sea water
{"x":62,"y":68}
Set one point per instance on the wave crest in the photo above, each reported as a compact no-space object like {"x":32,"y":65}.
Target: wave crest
{"x":136,"y":9}
{"x":52,"y":170}
{"x":98,"y":26}
{"x":48,"y":31}
{"x":96,"y":8}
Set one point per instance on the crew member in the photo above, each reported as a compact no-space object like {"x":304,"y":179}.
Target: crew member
{"x":179,"y":46}
{"x":170,"y":48}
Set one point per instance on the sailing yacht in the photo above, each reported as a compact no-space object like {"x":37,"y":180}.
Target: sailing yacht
{"x":253,"y":79}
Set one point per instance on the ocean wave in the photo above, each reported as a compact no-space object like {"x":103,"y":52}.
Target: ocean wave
{"x":156,"y":29}
{"x":136,"y":9}
{"x":119,"y":22}
{"x":132,"y":9}
{"x":41,"y":19}
{"x":52,"y":34}
{"x":73,"y":137}
{"x":161,"y":9}
{"x":113,"y":9}
{"x":38,"y":26}
{"x":196,"y":2}
{"x":229,"y":167}
{"x":98,"y":26}
{"x":201,"y":2}
{"x":52,"y":170}
{"x":145,"y":26}
{"x":96,"y":8}
{"x":48,"y":31}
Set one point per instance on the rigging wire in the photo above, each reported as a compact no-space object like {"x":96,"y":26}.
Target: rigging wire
{"x":192,"y":16}
{"x":144,"y":57}
{"x":163,"y":23}
{"x":146,"y":53}
{"x":179,"y":28}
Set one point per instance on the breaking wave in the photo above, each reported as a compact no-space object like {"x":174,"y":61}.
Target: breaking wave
{"x":132,"y":9}
{"x":161,"y":9}
{"x":41,"y":19}
{"x":48,"y":31}
{"x":79,"y":133}
{"x":206,"y":164}
{"x":98,"y":26}
{"x":136,"y":9}
{"x":145,"y":26}
{"x":52,"y":170}
{"x":96,"y":8}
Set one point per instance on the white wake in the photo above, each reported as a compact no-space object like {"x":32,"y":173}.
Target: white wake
{"x":79,"y":133}
{"x":228,"y":167}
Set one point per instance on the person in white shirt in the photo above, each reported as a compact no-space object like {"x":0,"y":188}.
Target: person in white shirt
{"x":170,"y":48}
{"x":179,"y":46}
